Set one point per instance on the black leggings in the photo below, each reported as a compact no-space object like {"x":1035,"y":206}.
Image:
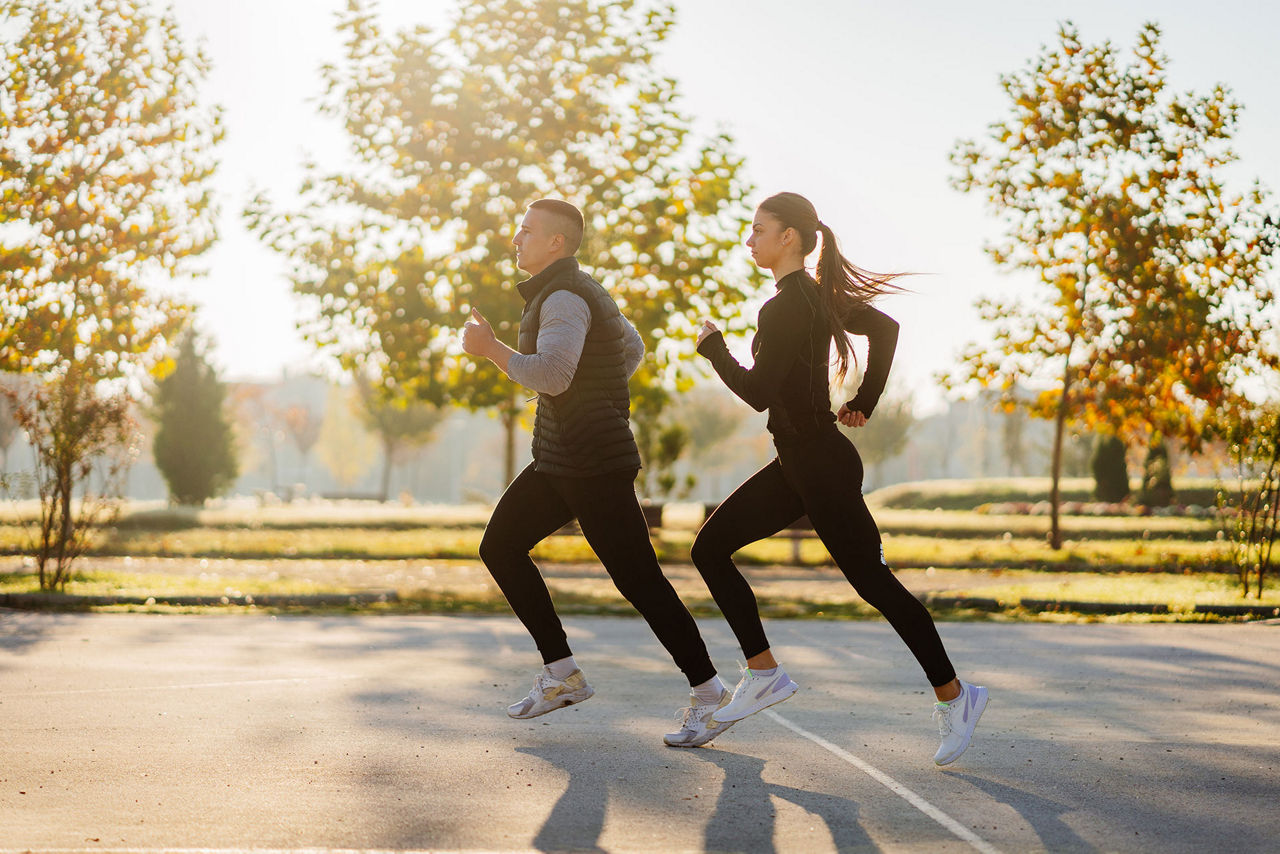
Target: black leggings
{"x":537,"y":505}
{"x":823,"y":478}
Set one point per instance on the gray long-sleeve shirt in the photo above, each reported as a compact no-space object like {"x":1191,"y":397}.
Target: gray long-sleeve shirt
{"x":563,"y":323}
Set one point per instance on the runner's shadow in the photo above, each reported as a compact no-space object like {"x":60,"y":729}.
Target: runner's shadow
{"x":577,"y":820}
{"x":745,"y":815}
{"x":1044,"y":815}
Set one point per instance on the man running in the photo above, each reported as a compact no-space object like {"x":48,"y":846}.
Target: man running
{"x":577,"y":351}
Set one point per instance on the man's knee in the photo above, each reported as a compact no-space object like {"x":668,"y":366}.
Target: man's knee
{"x":496,"y":549}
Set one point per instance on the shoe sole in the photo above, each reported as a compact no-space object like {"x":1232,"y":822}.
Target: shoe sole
{"x":698,"y":743}
{"x":979,"y":708}
{"x":774,"y":699}
{"x":568,"y":700}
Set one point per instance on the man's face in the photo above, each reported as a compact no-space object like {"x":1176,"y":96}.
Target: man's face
{"x":538,"y":241}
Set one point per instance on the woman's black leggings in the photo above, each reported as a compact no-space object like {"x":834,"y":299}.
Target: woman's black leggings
{"x":823,"y":478}
{"x":537,"y":505}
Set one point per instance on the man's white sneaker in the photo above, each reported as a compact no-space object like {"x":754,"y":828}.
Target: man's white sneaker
{"x":956,"y":721}
{"x":549,"y":693}
{"x":756,"y":692}
{"x":696,"y":725}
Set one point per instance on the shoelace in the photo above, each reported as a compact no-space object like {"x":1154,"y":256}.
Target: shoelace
{"x":691,"y":714}
{"x":541,"y":683}
{"x":942,"y":717}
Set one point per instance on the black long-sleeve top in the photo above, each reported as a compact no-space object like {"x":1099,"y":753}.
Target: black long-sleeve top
{"x":792,"y":348}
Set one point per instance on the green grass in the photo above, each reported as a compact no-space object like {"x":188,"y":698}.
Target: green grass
{"x":901,"y":550}
{"x":587,"y":595}
{"x":968,"y":494}
{"x":94,"y":583}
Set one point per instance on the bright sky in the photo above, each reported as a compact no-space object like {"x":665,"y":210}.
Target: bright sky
{"x":852,"y":103}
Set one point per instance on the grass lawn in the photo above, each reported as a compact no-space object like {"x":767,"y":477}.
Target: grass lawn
{"x":464,"y":587}
{"x":904,"y":545}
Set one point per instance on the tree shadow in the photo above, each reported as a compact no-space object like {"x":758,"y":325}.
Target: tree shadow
{"x":1042,"y":814}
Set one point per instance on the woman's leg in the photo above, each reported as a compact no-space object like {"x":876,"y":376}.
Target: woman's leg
{"x":529,"y":511}
{"x":759,"y":508}
{"x":828,"y":474}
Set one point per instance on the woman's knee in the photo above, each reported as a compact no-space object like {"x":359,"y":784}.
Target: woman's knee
{"x":708,"y":552}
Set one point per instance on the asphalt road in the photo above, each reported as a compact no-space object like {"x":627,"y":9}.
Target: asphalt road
{"x":230,"y":733}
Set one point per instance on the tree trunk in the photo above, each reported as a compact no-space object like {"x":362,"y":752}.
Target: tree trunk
{"x":1059,"y":427}
{"x":388,"y":454}
{"x":1060,"y":424}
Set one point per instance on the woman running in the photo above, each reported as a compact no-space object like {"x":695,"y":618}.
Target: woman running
{"x":817,"y":471}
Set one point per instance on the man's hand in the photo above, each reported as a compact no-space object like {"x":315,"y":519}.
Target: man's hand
{"x":477,"y":335}
{"x":850,"y":417}
{"x":708,"y":328}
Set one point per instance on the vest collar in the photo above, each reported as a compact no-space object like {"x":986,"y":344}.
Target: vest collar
{"x":530,"y":287}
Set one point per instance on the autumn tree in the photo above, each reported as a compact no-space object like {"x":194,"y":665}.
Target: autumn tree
{"x":345,"y":447}
{"x":105,"y":156}
{"x":194,"y":445}
{"x":1152,"y":297}
{"x":453,"y":133}
{"x":1249,"y":503}
{"x":1110,"y":469}
{"x":301,"y":423}
{"x":400,"y":424}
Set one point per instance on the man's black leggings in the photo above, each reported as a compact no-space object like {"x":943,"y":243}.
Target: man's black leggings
{"x":823,"y":478}
{"x":537,"y":505}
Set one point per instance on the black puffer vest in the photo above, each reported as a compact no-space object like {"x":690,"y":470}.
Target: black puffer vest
{"x":585,"y":430}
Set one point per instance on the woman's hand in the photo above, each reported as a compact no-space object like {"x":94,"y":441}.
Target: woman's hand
{"x":850,"y":417}
{"x":708,"y":328}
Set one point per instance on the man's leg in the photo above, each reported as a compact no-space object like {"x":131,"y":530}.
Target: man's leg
{"x":614,"y":526}
{"x":528,"y":512}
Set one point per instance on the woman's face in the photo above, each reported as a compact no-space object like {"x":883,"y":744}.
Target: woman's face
{"x":770,"y":242}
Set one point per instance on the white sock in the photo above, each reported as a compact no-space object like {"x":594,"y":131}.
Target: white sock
{"x":563,"y":668}
{"x":766,"y":673}
{"x":710,"y":691}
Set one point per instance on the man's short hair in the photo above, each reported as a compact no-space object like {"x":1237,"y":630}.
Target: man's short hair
{"x":568,"y":217}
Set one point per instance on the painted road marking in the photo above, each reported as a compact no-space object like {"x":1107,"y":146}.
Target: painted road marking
{"x":891,"y":784}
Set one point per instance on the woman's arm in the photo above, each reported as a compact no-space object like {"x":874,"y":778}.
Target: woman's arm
{"x":881,"y":331}
{"x":782,"y":327}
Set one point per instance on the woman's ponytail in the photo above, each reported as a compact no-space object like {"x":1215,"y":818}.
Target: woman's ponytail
{"x":842,"y":284}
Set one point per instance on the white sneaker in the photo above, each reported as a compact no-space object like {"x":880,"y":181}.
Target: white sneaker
{"x":549,"y":693}
{"x":696,"y":724}
{"x":755,"y":692}
{"x":956,"y":721}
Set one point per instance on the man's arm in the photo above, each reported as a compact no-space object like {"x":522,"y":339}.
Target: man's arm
{"x":632,"y":347}
{"x":563,"y":323}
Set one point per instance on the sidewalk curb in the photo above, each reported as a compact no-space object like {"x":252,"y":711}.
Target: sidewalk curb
{"x":266,"y":600}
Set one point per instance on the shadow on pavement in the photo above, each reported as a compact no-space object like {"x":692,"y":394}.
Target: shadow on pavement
{"x":744,"y":814}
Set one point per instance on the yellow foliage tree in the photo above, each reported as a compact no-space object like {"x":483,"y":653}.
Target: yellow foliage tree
{"x":105,"y":156}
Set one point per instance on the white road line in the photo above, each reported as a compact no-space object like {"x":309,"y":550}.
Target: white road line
{"x":181,"y":686}
{"x":892,"y":785}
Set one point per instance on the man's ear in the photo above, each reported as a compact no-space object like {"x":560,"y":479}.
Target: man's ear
{"x":557,"y":242}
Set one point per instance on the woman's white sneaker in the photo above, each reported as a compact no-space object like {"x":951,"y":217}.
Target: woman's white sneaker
{"x":956,"y":721}
{"x":755,"y":692}
{"x":696,"y":724}
{"x":549,"y":693}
